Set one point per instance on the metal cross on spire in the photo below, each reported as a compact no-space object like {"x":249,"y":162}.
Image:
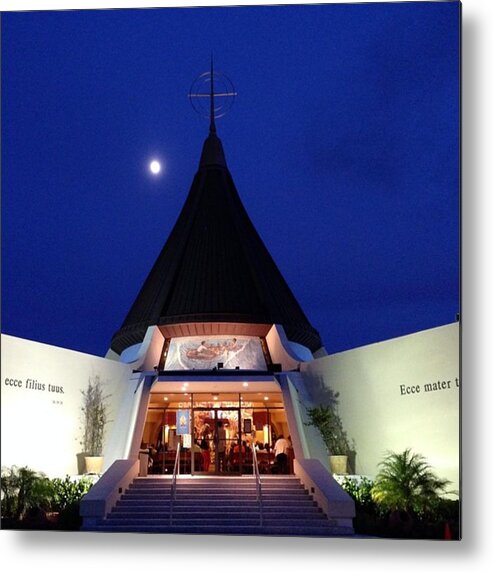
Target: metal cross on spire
{"x":212,"y":127}
{"x":205,"y":100}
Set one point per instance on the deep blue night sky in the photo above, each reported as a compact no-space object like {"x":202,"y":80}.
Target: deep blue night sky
{"x":343,"y":143}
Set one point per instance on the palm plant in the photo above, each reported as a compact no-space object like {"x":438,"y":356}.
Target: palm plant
{"x":23,"y":489}
{"x":406,"y":482}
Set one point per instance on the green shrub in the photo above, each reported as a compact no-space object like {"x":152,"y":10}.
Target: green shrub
{"x":66,"y":500}
{"x":443,"y":509}
{"x":359,"y":490}
{"x":66,"y":492}
{"x":404,"y":501}
{"x":406,"y":482}
{"x":28,"y":495}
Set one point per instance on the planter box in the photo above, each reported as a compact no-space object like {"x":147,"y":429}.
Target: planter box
{"x":338,"y":464}
{"x":94,"y":465}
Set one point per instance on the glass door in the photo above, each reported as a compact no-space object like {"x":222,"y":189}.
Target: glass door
{"x":217,"y":433}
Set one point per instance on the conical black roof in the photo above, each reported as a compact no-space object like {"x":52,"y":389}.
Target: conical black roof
{"x":214,"y":267}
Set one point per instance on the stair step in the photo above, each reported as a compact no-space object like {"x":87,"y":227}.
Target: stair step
{"x":316,"y":530}
{"x":279,"y":496}
{"x":208,"y":483}
{"x":252,"y":521}
{"x":185,"y":508}
{"x":214,"y":490}
{"x":214,"y":500}
{"x":221,"y":482}
{"x":208,"y":488}
{"x":232,"y":517}
{"x":217,"y":497}
{"x":221,"y":495}
{"x":221,"y":479}
{"x":291,"y":503}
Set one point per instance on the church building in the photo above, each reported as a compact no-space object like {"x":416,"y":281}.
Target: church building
{"x":216,"y":339}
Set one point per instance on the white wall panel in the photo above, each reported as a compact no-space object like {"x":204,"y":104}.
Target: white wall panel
{"x":388,"y":401}
{"x":41,"y":427}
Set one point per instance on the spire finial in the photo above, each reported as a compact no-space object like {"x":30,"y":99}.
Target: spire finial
{"x":209,"y":103}
{"x":212,"y":126}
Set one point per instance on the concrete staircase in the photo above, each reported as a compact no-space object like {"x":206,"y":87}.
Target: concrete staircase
{"x":220,"y":505}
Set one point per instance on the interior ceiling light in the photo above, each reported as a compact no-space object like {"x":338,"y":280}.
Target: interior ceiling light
{"x":266,"y":398}
{"x":185,"y":384}
{"x":245,"y":384}
{"x":165,"y":399}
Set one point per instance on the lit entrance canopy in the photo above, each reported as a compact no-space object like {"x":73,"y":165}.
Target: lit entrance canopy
{"x":266,"y":384}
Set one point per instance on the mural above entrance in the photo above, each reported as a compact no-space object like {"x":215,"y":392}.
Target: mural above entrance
{"x":244,"y":352}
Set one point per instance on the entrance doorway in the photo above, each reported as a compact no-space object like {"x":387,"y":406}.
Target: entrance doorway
{"x":220,"y":438}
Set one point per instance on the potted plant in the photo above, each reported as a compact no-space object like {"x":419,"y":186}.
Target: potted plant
{"x":94,"y":419}
{"x":326,"y":419}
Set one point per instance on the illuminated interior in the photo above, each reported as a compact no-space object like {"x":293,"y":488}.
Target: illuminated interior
{"x":251,"y":417}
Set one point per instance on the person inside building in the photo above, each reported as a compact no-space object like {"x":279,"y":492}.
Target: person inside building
{"x":220,"y":444}
{"x":204,"y":446}
{"x":281,"y":452}
{"x":236,"y":448}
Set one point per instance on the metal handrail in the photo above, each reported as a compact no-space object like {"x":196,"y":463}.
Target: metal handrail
{"x":258,"y":485}
{"x":176,"y":470}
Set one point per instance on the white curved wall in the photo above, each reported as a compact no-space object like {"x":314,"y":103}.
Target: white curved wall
{"x":280,"y":349}
{"x":41,"y":427}
{"x":388,"y":400}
